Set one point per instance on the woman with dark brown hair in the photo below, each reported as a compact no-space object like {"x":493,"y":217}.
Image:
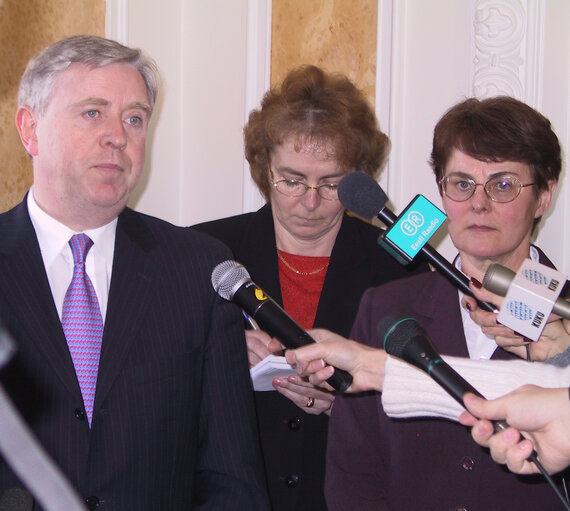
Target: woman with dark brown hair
{"x":496,"y":162}
{"x":306,"y":253}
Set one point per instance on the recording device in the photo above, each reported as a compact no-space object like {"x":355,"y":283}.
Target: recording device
{"x":531,"y":295}
{"x":232,"y":282}
{"x":403,"y":337}
{"x":361,"y":194}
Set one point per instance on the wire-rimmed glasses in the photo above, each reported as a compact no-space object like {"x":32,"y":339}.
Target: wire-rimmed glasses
{"x":501,"y":188}
{"x":295,"y":188}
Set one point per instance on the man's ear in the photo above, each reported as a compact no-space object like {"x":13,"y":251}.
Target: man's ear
{"x":26,"y":124}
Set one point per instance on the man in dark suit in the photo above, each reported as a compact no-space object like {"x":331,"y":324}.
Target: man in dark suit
{"x":170,"y":425}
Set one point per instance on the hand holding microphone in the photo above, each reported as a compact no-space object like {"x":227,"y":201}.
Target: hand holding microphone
{"x":232,"y":282}
{"x":534,"y":288}
{"x":554,"y":338}
{"x":403,"y":337}
{"x":364,"y":363}
{"x":543,"y":414}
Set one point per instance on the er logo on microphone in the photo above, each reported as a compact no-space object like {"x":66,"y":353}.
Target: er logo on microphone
{"x":410,"y":225}
{"x":412,"y":230}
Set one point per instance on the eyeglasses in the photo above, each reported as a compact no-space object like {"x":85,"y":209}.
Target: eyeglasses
{"x":294,"y":188}
{"x":499,"y":188}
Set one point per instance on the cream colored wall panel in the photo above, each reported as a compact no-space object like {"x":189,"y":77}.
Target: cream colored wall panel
{"x":445,"y":50}
{"x":430,"y":55}
{"x":194,"y":168}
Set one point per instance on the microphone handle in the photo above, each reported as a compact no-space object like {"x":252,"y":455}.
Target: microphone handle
{"x":454,"y":384}
{"x":441,"y":263}
{"x":269,"y":315}
{"x":562,"y":308}
{"x":457,"y":387}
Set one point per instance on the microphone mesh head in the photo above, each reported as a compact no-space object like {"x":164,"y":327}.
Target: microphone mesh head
{"x":497,"y":279}
{"x":396,"y":331}
{"x":227,"y":277}
{"x":360,"y":193}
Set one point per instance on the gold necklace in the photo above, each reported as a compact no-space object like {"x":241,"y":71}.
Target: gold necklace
{"x":314,"y":272}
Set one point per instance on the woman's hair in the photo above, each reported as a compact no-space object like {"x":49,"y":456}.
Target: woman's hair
{"x":318,"y":109}
{"x":498,"y":129}
{"x":36,"y":85}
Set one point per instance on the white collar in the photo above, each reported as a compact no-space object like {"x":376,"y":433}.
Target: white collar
{"x":53,"y":236}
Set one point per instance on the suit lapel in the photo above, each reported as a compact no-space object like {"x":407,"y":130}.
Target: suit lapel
{"x":261,"y":260}
{"x":130,"y":295}
{"x":24,"y":283}
{"x":435,"y":303}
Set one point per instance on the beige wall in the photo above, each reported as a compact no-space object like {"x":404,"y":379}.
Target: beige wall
{"x":26,"y":26}
{"x":337,"y":35}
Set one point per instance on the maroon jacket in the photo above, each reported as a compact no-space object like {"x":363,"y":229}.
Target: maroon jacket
{"x":378,"y":463}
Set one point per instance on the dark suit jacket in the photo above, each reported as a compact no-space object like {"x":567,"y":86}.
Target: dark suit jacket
{"x":173,"y":425}
{"x":378,"y":463}
{"x":293,"y":442}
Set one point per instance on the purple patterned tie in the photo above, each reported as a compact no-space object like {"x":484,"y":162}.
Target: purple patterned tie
{"x":82,"y":323}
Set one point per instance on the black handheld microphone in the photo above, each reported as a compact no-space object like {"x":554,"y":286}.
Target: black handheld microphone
{"x":232,"y":282}
{"x":360,"y":193}
{"x":498,"y":279}
{"x":404,"y":338}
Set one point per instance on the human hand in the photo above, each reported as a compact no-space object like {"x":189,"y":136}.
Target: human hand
{"x":300,"y":391}
{"x":554,"y":339}
{"x":505,"y":337}
{"x":260,"y":345}
{"x":315,"y":361}
{"x":544,"y":416}
{"x":305,"y":395}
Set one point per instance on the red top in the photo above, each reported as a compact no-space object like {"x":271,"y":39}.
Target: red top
{"x":302,"y":279}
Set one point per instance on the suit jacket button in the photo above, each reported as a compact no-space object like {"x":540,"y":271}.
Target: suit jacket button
{"x":79,"y":414}
{"x":291,"y":481}
{"x":92,"y":502}
{"x":467,"y":463}
{"x":294,"y":424}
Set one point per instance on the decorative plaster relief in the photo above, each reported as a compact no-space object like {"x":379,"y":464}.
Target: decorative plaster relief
{"x":505,"y":47}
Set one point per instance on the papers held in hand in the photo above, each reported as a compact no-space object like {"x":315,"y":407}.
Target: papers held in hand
{"x":263,"y":373}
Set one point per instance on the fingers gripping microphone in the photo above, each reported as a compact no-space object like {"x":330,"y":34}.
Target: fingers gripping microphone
{"x":403,"y":337}
{"x":498,"y":280}
{"x":232,"y":282}
{"x":360,"y":193}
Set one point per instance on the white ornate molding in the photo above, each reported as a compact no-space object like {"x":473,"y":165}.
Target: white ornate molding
{"x":384,"y":94}
{"x":257,"y":80}
{"x":508,"y":49}
{"x":116,"y":20}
